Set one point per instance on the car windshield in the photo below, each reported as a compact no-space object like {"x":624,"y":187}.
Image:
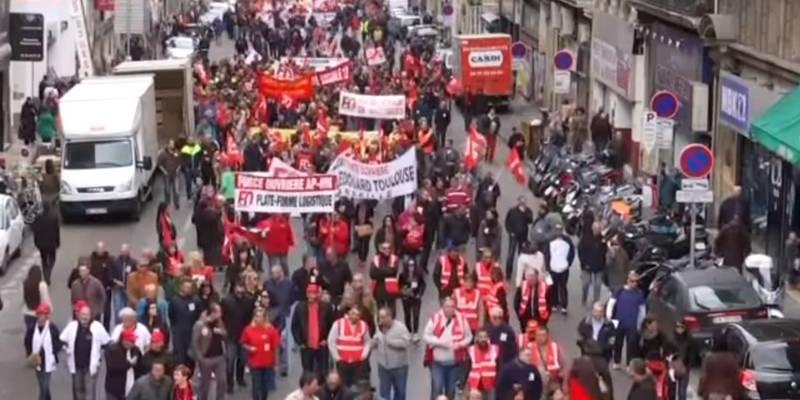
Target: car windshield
{"x":183,"y":43}
{"x":102,"y":154}
{"x":778,"y":357}
{"x":723,"y":297}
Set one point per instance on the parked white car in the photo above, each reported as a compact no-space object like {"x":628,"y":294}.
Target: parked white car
{"x":12,"y":227}
{"x":181,"y":47}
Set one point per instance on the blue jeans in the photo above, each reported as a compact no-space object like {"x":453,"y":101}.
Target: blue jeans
{"x":44,"y":384}
{"x":592,"y":280}
{"x":119,"y":300}
{"x":393,"y":380}
{"x":263,"y":382}
{"x":283,"y":355}
{"x":444,"y":378}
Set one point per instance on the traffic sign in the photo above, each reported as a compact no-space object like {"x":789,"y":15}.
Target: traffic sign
{"x":447,"y":9}
{"x":665,"y":104}
{"x":696,"y":161}
{"x":695,"y":184}
{"x":694,"y":196}
{"x":649,"y":129}
{"x":564,"y":60}
{"x":519,"y":50}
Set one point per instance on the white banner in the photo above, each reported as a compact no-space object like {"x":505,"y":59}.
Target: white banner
{"x":358,"y":180}
{"x":366,"y":106}
{"x":257,"y":192}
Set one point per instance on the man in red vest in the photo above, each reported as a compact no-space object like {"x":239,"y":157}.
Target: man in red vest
{"x":547,"y":355}
{"x":484,"y":358}
{"x":530,"y":299}
{"x":483,"y":271}
{"x":349,"y":345}
{"x":447,"y":336}
{"x":449,"y":272}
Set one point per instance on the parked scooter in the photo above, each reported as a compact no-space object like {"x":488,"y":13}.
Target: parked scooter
{"x":766,"y":279}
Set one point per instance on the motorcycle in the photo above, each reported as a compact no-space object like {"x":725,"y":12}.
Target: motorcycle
{"x":767,"y":281}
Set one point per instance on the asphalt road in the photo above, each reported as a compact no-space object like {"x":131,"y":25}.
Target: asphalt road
{"x":78,"y":239}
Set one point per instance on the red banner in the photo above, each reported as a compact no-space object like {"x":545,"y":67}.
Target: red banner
{"x":104,"y":5}
{"x":300,"y":88}
{"x":333,"y":75}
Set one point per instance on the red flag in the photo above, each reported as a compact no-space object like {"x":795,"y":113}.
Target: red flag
{"x":474,"y":150}
{"x":514,"y":164}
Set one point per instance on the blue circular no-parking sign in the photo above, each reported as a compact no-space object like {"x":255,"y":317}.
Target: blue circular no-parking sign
{"x":564,"y":60}
{"x":665,"y":104}
{"x":696,"y":161}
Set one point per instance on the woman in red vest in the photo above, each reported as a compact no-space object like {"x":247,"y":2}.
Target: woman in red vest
{"x":334,"y":232}
{"x":496,"y":296}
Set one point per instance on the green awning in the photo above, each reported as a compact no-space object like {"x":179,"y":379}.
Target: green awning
{"x":778,"y":128}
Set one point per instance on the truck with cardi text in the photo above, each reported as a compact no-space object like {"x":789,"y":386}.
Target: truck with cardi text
{"x":483,"y":65}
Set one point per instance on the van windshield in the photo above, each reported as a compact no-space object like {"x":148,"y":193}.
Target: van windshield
{"x":102,"y":154}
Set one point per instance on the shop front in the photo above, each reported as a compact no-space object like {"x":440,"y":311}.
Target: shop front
{"x":527,"y":83}
{"x":740,"y":101}
{"x":771,"y":175}
{"x":612,"y":72}
{"x":677,"y":63}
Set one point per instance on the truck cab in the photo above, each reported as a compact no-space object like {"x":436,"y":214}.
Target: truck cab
{"x":110,"y":141}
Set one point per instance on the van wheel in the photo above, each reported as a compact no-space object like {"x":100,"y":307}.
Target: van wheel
{"x":136,"y":214}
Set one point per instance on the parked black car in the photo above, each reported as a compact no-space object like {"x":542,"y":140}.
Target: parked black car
{"x":705,"y":300}
{"x":769,"y":356}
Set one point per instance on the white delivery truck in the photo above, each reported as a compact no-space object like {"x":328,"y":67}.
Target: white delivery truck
{"x":174,"y":94}
{"x":110,"y":141}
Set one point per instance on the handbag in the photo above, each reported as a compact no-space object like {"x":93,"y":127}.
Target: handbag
{"x":34,"y":360}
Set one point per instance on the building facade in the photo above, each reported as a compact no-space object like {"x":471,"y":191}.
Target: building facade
{"x":5,"y":62}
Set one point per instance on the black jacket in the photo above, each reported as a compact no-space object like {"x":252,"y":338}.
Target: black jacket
{"x":336,"y":277}
{"x":506,"y":340}
{"x":101,"y":266}
{"x":300,"y":280}
{"x":47,"y":231}
{"x":518,"y":221}
{"x":150,"y":357}
{"x":183,"y":313}
{"x":605,"y":338}
{"x":237,"y":312}
{"x":54,"y":334}
{"x":592,"y":253}
{"x":117,"y":365}
{"x":518,"y":373}
{"x":300,"y":322}
{"x":407,"y":279}
{"x":441,"y":120}
{"x":457,"y":229}
{"x":643,"y":390}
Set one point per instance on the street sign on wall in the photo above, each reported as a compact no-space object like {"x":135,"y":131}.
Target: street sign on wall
{"x":649,"y":130}
{"x":562,"y":80}
{"x":564,"y":60}
{"x":665,"y":104}
{"x":26,"y":36}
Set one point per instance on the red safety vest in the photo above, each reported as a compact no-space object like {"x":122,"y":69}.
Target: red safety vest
{"x":351,"y":340}
{"x":447,"y":269}
{"x":550,"y":358}
{"x":483,"y":271}
{"x":457,"y":333}
{"x":525,"y":299}
{"x":483,"y":371}
{"x":467,"y":303}
{"x":523,"y":342}
{"x":492,"y":298}
{"x":392,"y":283}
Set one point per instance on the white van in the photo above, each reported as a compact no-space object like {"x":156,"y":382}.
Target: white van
{"x":110,"y":141}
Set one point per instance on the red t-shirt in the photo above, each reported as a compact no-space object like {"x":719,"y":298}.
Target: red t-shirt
{"x":266,"y":340}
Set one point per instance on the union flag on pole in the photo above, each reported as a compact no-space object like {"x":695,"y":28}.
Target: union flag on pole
{"x":474,"y":150}
{"x":514,"y":164}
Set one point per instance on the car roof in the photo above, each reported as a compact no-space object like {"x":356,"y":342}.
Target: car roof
{"x":709,"y":276}
{"x":770,"y":330}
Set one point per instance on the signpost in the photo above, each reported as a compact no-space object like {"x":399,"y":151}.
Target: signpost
{"x":519,"y":52}
{"x":696,"y":162}
{"x":665,"y":104}
{"x":564,"y":60}
{"x":649,"y":130}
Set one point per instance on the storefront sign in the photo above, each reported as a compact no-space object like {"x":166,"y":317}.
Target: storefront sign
{"x":256,"y":192}
{"x":611,"y":60}
{"x":358,"y":180}
{"x":741,"y":101}
{"x":366,"y":106}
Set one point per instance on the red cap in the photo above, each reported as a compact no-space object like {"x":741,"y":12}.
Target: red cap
{"x":43,"y":309}
{"x":127,"y":335}
{"x":312,"y":288}
{"x":158,"y":337}
{"x":80,"y":305}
